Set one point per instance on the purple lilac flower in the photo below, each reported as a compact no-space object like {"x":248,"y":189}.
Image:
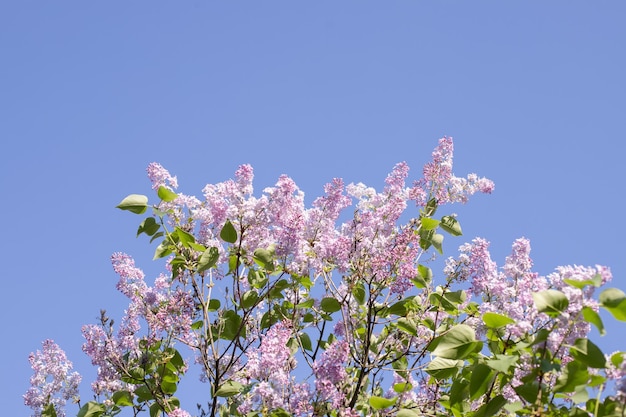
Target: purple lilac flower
{"x":178,"y":412}
{"x":160,"y":176}
{"x":440,"y":183}
{"x":271,"y":365}
{"x":52,"y":382}
{"x":330,"y":374}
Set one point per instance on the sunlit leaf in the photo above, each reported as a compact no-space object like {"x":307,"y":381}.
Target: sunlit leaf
{"x":378,"y":403}
{"x":166,"y":194}
{"x":451,"y":225}
{"x":134,"y":203}
{"x":551,"y":302}
{"x":457,"y":343}
{"x":496,"y":320}
{"x":441,"y":368}
{"x":184,"y":237}
{"x":614,"y":300}
{"x":437,"y":242}
{"x":91,"y":409}
{"x":591,"y":316}
{"x":596,"y":281}
{"x":428,"y":223}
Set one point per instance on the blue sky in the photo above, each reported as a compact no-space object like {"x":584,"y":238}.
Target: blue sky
{"x":91,"y":92}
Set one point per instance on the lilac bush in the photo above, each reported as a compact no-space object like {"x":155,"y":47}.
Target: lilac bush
{"x":285,"y":310}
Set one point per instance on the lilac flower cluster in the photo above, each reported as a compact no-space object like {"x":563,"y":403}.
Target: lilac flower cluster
{"x":53,"y":381}
{"x":330,"y":374}
{"x":166,"y":311}
{"x":440,"y":183}
{"x":270,"y":365}
{"x":509,"y":291}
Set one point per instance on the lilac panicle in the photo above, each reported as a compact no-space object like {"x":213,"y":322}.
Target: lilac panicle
{"x":330,"y":373}
{"x":53,"y":381}
{"x":160,"y":176}
{"x":440,"y":183}
{"x":271,"y":365}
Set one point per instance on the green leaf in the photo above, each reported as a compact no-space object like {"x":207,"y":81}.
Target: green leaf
{"x":306,"y":341}
{"x":214,"y":304}
{"x":91,"y":409}
{"x":143,"y":393}
{"x":437,"y":242}
{"x":573,"y":376}
{"x":425,"y":272}
{"x":617,"y":358}
{"x":155,"y":408}
{"x":232,"y":325}
{"x":330,"y":305}
{"x":407,"y":326}
{"x":359,"y":293}
{"x":528,"y":391}
{"x":614,"y":300}
{"x":122,"y":398}
{"x":264,"y":258}
{"x":492,"y":407}
{"x":591,"y":316}
{"x":306,"y":304}
{"x":197,"y":247}
{"x":551,"y":302}
{"x":162,"y":250}
{"x":378,"y":403}
{"x":402,"y":387}
{"x":588,"y":353}
{"x":249,"y":298}
{"x":168,"y":387}
{"x":407,"y":412}
{"x":457,"y":343}
{"x":149,"y":226}
{"x":451,"y":225}
{"x":502,"y":363}
{"x":229,"y":388}
{"x":431,"y":207}
{"x":428,"y":223}
{"x":441,"y":368}
{"x":228,"y":232}
{"x":495,"y":320}
{"x":49,"y":411}
{"x":481,"y":378}
{"x":398,"y":309}
{"x":184,"y":237}
{"x":596,"y":281}
{"x":166,"y":194}
{"x":134,"y":203}
{"x":280,"y":412}
{"x":208,"y":259}
{"x":197,"y":325}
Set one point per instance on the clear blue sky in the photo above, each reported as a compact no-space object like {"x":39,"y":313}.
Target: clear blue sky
{"x":91,"y":92}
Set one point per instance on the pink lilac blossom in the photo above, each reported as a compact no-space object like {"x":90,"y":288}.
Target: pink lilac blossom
{"x":53,"y":381}
{"x":104,"y":353}
{"x":330,"y":374}
{"x":440,"y":183}
{"x":271,"y":365}
{"x":160,"y":176}
{"x":178,"y":412}
{"x":510,"y":292}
